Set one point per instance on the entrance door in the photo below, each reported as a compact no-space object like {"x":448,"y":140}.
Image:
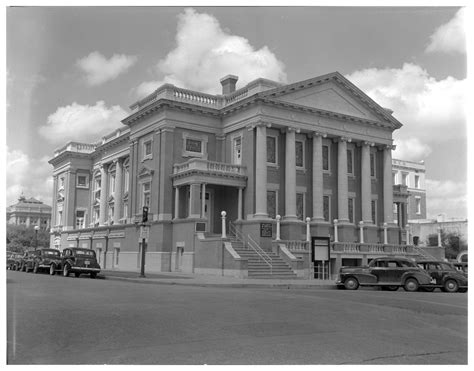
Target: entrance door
{"x":208,"y":215}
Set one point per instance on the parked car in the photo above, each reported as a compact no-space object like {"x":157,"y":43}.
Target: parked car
{"x":389,"y":273}
{"x":446,"y":277}
{"x":461,"y":267}
{"x":77,"y":260}
{"x":26,"y":262}
{"x":13,"y":260}
{"x":45,"y":259}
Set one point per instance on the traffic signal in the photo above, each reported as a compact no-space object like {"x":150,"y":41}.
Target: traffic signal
{"x":145,"y":214}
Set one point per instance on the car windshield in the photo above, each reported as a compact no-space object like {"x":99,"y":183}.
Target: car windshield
{"x":89,"y":253}
{"x":51,"y":253}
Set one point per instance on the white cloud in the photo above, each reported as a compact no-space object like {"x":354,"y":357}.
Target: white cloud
{"x":98,"y":69}
{"x":82,"y":123}
{"x":30,"y":176}
{"x":446,"y":197}
{"x":450,"y":37}
{"x":425,"y":106}
{"x":205,"y":53}
{"x":411,"y":149}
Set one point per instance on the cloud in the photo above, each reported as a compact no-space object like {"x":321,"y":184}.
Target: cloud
{"x":446,"y":197}
{"x":98,"y":69}
{"x":425,"y":106}
{"x":205,"y":52}
{"x":411,"y":149}
{"x":30,"y":176}
{"x":82,"y":123}
{"x":450,"y":37}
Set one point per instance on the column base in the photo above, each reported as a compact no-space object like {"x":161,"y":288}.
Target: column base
{"x":293,"y":230}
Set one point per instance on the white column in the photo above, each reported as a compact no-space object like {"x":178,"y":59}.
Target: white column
{"x":308,"y":233}
{"x":318,"y":212}
{"x":385,"y":236}
{"x":387,"y":185}
{"x":440,"y":244}
{"x":342,"y":184}
{"x":118,"y":191}
{"x":203,"y":200}
{"x":278,"y":218}
{"x":361,"y":232}
{"x":239,"y":204}
{"x":366,"y":183}
{"x":103,"y":194}
{"x":261,"y":172}
{"x":336,"y":237}
{"x":290,"y":175}
{"x":223,"y":214}
{"x":176,"y":202}
{"x":407,"y":228}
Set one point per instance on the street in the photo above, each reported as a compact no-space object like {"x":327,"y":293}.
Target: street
{"x":58,"y":320}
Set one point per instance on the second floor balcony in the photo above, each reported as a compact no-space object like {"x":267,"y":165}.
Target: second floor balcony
{"x":197,"y":170}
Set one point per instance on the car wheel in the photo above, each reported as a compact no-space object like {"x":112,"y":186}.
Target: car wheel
{"x":351,"y":283}
{"x":35,"y":268}
{"x":52,"y":270}
{"x":450,"y":286}
{"x":77,"y":274}
{"x":411,"y":284}
{"x":93,"y":275}
{"x":66,"y":270}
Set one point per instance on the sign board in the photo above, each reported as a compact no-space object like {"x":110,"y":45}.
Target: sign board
{"x":266,"y":229}
{"x":200,"y":227}
{"x":144,"y":233}
{"x":320,"y":248}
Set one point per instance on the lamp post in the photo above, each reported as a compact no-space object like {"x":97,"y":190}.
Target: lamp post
{"x":36,"y":236}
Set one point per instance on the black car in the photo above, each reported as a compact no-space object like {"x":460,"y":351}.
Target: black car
{"x":14,"y":260}
{"x":445,"y":276}
{"x":77,"y":260}
{"x":45,"y":259}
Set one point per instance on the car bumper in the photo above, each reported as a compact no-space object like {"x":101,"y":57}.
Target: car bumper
{"x":84,"y":269}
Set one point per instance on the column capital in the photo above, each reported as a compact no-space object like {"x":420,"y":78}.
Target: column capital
{"x":319,"y":134}
{"x":342,"y":139}
{"x":259,"y":124}
{"x":366,"y":143}
{"x":290,"y":129}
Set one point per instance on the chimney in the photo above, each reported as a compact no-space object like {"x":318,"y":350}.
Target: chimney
{"x":228,"y":84}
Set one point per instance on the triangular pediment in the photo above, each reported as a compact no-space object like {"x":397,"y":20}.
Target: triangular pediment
{"x":333,"y":93}
{"x":145,"y":171}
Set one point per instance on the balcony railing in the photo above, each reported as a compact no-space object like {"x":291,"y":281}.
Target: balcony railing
{"x":209,"y":166}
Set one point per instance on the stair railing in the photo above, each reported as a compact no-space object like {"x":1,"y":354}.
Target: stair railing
{"x":425,"y":255}
{"x":249,"y":242}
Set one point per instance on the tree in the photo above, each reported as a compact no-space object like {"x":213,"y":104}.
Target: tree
{"x":21,"y":238}
{"x":453,"y":242}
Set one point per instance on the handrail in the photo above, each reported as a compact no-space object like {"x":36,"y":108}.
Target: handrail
{"x":423,"y":253}
{"x":250,"y":242}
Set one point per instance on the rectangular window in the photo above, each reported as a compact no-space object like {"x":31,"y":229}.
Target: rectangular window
{"x":117,"y":254}
{"x":300,"y":206}
{"x":111,"y":213}
{"x":418,"y":205}
{"x":405,"y":179}
{"x":417,"y":181}
{"x":350,"y":163}
{"x":126,"y":180}
{"x":326,"y":208}
{"x":125,"y":210}
{"x":193,"y":145}
{"x":372,"y":164}
{"x":271,"y":150}
{"x":147,"y":149}
{"x":112,"y":184}
{"x":82,"y":181}
{"x":146,"y":194}
{"x":374,"y":211}
{"x":299,"y":149}
{"x":351,"y":209}
{"x":271,"y":204}
{"x":96,"y":215}
{"x":326,"y":158}
{"x":394,"y":177}
{"x":237,"y":152}
{"x":80,"y":219}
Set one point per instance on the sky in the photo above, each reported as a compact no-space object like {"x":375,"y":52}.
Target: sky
{"x":73,"y":72}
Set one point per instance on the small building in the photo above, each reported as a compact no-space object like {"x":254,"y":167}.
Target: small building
{"x":29,"y":212}
{"x":250,"y":174}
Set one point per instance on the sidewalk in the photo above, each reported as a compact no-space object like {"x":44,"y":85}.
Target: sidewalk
{"x":176,"y":278}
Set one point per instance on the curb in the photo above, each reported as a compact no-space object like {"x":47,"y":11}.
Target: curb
{"x":229,"y":285}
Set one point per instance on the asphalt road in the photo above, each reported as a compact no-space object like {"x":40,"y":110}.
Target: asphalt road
{"x":57,"y":320}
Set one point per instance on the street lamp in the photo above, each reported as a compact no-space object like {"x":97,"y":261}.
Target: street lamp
{"x":36,"y":236}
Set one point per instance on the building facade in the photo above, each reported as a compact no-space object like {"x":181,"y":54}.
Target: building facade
{"x":411,"y":175}
{"x":30,"y":213}
{"x":274,"y":163}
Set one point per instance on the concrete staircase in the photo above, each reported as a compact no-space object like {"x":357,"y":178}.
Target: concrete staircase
{"x":258,"y":268}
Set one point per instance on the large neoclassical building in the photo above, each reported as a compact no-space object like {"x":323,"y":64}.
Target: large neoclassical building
{"x":284,"y":162}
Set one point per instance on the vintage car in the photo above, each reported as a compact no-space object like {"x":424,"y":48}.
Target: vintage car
{"x":446,"y":277}
{"x":389,"y":273}
{"x":77,"y":260}
{"x":461,"y":267}
{"x":45,"y":259}
{"x":14,"y":260}
{"x":26,"y":260}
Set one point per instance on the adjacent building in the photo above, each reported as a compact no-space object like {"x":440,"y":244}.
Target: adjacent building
{"x":275,"y":164}
{"x":30,"y":213}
